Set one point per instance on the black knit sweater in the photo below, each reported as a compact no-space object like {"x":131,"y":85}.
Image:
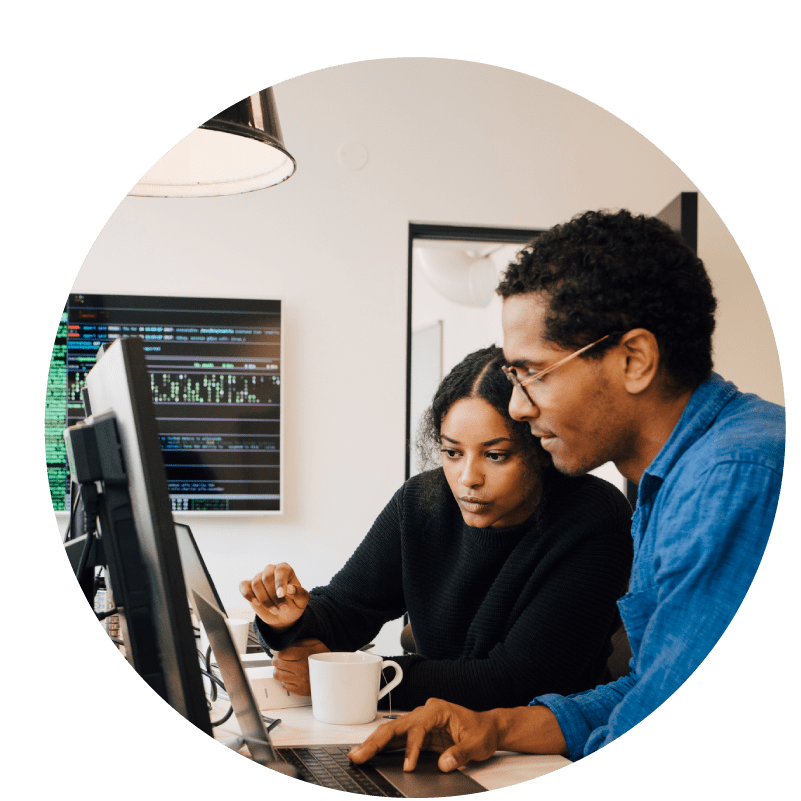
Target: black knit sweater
{"x":499,"y":615}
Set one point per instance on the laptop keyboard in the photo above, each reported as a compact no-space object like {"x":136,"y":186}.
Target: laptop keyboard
{"x":329,"y":766}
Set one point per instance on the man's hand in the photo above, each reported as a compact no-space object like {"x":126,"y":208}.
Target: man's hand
{"x":276,"y":595}
{"x":460,"y":735}
{"x":456,"y":733}
{"x":292,"y":665}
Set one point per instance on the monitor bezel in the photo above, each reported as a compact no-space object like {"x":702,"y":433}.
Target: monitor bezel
{"x":119,"y":382}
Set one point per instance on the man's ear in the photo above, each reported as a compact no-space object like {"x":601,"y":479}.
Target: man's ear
{"x":639,"y":360}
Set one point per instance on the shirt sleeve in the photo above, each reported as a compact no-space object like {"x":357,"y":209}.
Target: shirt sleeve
{"x":708,"y":546}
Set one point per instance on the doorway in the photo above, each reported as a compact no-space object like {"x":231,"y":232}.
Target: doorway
{"x":452,"y":306}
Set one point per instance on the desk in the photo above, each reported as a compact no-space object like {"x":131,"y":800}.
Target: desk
{"x":299,"y":727}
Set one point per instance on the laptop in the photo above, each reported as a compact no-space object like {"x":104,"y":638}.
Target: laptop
{"x":325,"y":765}
{"x":197,"y":579}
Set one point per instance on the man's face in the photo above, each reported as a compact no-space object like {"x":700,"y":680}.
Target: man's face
{"x":578,"y":412}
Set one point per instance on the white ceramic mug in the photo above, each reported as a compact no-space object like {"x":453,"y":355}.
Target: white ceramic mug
{"x":240,"y":629}
{"x":345,"y":687}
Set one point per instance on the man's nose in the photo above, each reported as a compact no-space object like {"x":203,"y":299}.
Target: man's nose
{"x":520,"y":407}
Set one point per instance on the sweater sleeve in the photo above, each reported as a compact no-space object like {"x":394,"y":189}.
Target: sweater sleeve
{"x":553,"y":640}
{"x":350,"y":610}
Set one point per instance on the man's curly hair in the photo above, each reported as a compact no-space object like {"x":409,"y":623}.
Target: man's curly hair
{"x":607,"y":272}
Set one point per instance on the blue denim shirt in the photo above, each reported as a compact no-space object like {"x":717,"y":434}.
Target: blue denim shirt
{"x":705,"y":508}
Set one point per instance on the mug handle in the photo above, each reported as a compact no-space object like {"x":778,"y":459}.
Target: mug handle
{"x":396,"y":681}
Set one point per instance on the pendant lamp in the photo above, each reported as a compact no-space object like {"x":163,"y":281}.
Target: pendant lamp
{"x":458,"y":276}
{"x":239,"y":150}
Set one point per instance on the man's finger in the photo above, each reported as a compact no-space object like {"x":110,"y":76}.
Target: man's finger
{"x":454,"y":757}
{"x":378,"y":740}
{"x":414,"y":742}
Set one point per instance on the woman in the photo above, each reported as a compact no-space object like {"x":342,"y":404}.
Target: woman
{"x":509,"y":571}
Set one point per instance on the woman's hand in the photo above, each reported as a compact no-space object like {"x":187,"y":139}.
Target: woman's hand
{"x":276,"y":596}
{"x":292,"y":665}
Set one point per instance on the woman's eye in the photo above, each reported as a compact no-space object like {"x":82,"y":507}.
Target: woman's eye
{"x":496,"y":457}
{"x":451,"y":454}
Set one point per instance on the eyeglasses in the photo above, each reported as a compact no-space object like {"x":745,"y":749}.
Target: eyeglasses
{"x":511,"y":372}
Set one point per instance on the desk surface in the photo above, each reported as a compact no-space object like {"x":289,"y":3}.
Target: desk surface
{"x":299,"y":727}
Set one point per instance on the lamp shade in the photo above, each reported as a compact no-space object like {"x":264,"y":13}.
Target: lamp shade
{"x":459,"y":277}
{"x":239,"y":150}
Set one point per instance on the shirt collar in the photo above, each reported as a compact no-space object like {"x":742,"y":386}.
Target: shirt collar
{"x":700,"y":412}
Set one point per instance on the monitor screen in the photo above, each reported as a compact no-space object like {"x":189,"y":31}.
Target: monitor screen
{"x":138,"y":545}
{"x":214,"y":368}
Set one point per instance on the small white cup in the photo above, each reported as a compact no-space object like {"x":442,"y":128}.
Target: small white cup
{"x":239,"y":633}
{"x":345,"y":686}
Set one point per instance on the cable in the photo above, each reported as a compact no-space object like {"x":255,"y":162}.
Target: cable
{"x":206,"y":660}
{"x":230,"y":707}
{"x":271,"y":723}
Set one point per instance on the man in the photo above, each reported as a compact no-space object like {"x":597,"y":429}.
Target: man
{"x":608,"y":323}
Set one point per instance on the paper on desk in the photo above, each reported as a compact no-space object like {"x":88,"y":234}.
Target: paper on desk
{"x":268,"y":692}
{"x":255,"y":660}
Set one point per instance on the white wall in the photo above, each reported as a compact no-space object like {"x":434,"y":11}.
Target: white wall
{"x":448,"y":141}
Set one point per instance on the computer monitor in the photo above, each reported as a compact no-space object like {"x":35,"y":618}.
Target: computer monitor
{"x":137,"y":541}
{"x":196,"y":574}
{"x":215,"y":377}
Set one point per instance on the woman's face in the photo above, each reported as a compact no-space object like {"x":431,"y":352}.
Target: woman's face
{"x":484,"y":467}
